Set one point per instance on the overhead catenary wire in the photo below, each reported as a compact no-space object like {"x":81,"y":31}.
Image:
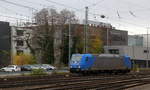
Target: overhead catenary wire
{"x":54,"y":3}
{"x":64,"y":5}
{"x":41,"y":4}
{"x":94,"y":4}
{"x":19,"y":5}
{"x":16,"y":4}
{"x":91,"y":13}
{"x":48,"y":1}
{"x":118,"y":14}
{"x":15,"y":12}
{"x":136,"y":5}
{"x":13,"y":17}
{"x":132,"y":13}
{"x":133,"y":24}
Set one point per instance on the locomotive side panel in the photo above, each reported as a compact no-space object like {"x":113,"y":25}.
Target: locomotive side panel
{"x":108,"y":63}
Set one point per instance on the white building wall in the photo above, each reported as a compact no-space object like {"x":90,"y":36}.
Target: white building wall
{"x":15,"y":37}
{"x":135,"y":52}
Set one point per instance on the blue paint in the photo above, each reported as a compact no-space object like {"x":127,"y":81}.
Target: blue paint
{"x":127,"y":62}
{"x":85,"y":63}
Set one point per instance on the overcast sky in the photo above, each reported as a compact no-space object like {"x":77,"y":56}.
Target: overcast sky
{"x":130,"y":15}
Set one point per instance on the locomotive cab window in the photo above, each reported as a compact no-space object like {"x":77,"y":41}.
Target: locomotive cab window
{"x":86,"y":59}
{"x":113,"y":51}
{"x":146,"y":51}
{"x":76,"y":58}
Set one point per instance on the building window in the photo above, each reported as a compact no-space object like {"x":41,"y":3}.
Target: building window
{"x":20,"y":32}
{"x":19,"y":52}
{"x":146,"y":51}
{"x":20,"y":43}
{"x":113,"y":51}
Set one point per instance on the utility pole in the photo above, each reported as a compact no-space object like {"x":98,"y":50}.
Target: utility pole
{"x":69,"y":39}
{"x":107,"y":37}
{"x":147,"y":50}
{"x":85,"y":31}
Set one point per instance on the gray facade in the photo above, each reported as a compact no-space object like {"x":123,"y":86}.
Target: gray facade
{"x":115,"y":37}
{"x":110,"y":35}
{"x":5,"y":45}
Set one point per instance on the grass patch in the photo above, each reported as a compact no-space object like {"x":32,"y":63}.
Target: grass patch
{"x":144,"y":69}
{"x":60,"y":73}
{"x":38,"y":72}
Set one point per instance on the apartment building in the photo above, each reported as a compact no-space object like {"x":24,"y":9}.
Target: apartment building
{"x":5,"y":45}
{"x":19,"y":37}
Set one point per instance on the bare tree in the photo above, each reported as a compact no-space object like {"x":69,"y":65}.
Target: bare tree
{"x":49,"y":33}
{"x":44,"y":34}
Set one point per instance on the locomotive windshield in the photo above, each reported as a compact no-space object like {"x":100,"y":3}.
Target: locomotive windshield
{"x":76,"y":58}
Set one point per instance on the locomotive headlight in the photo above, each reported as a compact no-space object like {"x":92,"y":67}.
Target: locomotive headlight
{"x":75,"y":62}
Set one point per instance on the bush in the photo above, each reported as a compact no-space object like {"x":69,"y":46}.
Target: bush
{"x":136,"y":68}
{"x":38,"y":72}
{"x":23,"y":59}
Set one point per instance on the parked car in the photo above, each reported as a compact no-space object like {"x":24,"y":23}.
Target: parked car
{"x":26,"y":68}
{"x":11,"y":68}
{"x":36,"y":66}
{"x":47,"y":67}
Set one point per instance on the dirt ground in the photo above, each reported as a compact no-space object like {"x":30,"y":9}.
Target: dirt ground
{"x":143,"y":87}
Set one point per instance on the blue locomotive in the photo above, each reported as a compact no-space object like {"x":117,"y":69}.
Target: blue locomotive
{"x":110,"y":63}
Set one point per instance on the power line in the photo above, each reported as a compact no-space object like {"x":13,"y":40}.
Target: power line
{"x":16,"y":4}
{"x":19,"y":5}
{"x":86,"y":1}
{"x":41,"y":4}
{"x":94,"y":4}
{"x":47,"y":1}
{"x":99,"y":14}
{"x":136,"y":5}
{"x":14,"y":12}
{"x":137,"y":25}
{"x":64,"y":5}
{"x":13,"y":17}
{"x":89,"y":12}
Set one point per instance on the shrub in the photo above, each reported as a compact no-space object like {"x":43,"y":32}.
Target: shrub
{"x":136,"y":68}
{"x":24,"y":59}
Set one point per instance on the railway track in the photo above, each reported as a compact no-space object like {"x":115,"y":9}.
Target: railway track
{"x":102,"y":82}
{"x":114,"y":84}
